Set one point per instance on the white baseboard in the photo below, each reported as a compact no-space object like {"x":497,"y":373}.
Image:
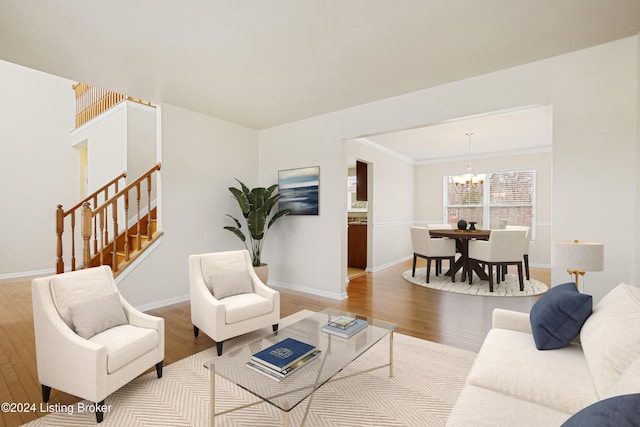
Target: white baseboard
{"x":163,"y":303}
{"x":306,"y":290}
{"x":389,"y":264}
{"x":27,"y":274}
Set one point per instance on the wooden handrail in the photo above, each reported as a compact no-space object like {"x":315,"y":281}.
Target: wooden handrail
{"x":101,"y":236}
{"x":102,"y":213}
{"x":92,"y":101}
{"x":95,"y":194}
{"x":61,"y":214}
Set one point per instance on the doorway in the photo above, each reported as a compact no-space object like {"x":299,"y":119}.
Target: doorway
{"x":358,"y":240}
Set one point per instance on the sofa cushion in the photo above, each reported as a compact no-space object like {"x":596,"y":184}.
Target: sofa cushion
{"x":619,"y":411}
{"x":556,"y":318}
{"x":246,"y":306}
{"x":97,"y":315}
{"x":481,"y":407}
{"x":509,"y":363}
{"x":230,"y":283}
{"x":628,"y":383}
{"x":125,"y":344}
{"x":611,"y":338}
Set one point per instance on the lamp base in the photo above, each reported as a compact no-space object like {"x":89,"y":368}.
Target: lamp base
{"x":575,"y":274}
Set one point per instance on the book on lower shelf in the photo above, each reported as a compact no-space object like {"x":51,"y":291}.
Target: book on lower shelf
{"x":356,"y":326}
{"x":279,"y":375}
{"x":283,"y":354}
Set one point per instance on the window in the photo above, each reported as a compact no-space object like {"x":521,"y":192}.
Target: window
{"x":504,"y":198}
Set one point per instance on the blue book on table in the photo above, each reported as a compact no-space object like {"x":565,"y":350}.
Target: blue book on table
{"x":283,"y":354}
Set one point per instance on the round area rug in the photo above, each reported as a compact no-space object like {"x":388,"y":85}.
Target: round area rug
{"x":507,"y":288}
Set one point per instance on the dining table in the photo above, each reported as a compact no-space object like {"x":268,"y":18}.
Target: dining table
{"x":462,"y":246}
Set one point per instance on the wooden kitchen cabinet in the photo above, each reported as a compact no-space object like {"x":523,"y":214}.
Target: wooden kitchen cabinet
{"x":357,"y":246}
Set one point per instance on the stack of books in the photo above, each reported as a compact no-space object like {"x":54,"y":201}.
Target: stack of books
{"x":283,"y":358}
{"x":344,"y":326}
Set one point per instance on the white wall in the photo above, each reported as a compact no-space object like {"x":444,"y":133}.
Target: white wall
{"x":594,"y":96}
{"x":594,"y":157}
{"x":141,"y":139}
{"x":38,"y":167}
{"x":121,"y":139}
{"x":429,"y":193}
{"x":201,"y":156}
{"x":106,"y":142}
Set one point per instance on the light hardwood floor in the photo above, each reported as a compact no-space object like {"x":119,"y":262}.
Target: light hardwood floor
{"x":452,"y":319}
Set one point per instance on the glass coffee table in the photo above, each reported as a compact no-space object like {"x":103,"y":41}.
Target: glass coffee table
{"x":336,"y":353}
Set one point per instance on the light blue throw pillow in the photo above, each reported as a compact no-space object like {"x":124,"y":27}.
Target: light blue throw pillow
{"x":557,"y":317}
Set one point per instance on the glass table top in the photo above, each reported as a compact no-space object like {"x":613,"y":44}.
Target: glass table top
{"x":336,"y":353}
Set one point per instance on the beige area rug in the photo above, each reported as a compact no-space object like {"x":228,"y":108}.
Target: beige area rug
{"x":427,"y":380}
{"x":508,"y":288}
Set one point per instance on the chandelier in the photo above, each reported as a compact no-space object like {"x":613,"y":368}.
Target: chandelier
{"x":469,"y":180}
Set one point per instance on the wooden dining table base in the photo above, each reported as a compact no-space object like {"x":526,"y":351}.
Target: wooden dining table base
{"x":462,"y":246}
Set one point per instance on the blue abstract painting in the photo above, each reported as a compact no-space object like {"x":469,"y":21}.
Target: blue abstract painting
{"x":300,"y":190}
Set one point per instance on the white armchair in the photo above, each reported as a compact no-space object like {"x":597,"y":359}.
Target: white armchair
{"x":227,"y":297}
{"x":89,"y":340}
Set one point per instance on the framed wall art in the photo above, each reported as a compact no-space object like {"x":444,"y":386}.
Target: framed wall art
{"x":300,"y":190}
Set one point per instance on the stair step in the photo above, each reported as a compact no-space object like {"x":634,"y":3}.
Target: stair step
{"x":133,"y":241}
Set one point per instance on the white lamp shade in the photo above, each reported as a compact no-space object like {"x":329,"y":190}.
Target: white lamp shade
{"x":575,"y":255}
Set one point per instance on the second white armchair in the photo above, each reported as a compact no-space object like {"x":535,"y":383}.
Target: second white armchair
{"x":227,"y":297}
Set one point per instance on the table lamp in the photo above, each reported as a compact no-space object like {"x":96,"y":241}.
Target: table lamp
{"x":578,"y":257}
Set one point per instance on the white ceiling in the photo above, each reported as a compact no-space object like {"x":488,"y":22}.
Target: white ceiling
{"x":263,"y":63}
{"x":520,"y":131}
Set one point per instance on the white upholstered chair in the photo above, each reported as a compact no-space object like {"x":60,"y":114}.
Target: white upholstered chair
{"x":439,"y":227}
{"x":527,"y":243}
{"x":89,"y":340}
{"x":227,"y":297}
{"x":430,"y":248}
{"x":504,"y":247}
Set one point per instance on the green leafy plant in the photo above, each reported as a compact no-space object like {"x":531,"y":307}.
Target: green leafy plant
{"x":256,"y":205}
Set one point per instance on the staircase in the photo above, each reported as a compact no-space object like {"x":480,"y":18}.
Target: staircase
{"x":102,"y":215}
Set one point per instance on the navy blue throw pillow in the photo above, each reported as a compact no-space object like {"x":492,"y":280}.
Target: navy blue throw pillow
{"x":556,"y":318}
{"x":618,"y":411}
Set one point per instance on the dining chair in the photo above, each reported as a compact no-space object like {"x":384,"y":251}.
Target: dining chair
{"x":439,"y":227}
{"x":504,"y":247}
{"x":431,"y":248}
{"x":527,"y":243}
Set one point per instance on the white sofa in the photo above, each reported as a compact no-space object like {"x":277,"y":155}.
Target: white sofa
{"x":512,"y":383}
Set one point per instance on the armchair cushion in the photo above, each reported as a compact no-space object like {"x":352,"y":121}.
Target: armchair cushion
{"x":556,"y":318}
{"x":97,"y":315}
{"x":230,"y":283}
{"x":246,"y":306}
{"x":125,"y":344}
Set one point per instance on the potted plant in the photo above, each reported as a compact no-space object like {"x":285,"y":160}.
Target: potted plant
{"x":256,"y":205}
